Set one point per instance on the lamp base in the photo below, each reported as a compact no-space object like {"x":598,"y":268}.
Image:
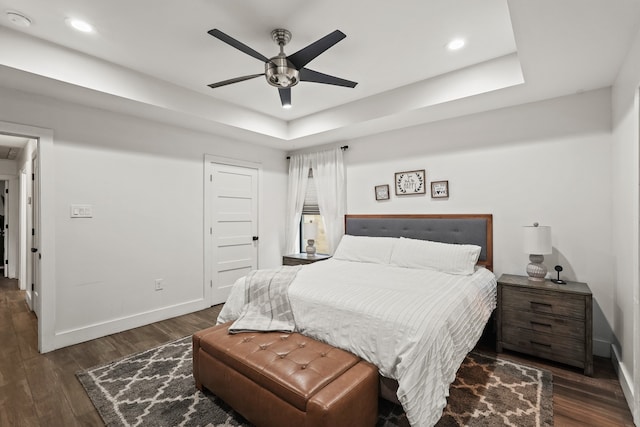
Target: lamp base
{"x":310,"y":249}
{"x":536,"y":270}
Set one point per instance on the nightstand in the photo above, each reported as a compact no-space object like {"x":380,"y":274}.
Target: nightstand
{"x":303,"y":258}
{"x":546,"y":320}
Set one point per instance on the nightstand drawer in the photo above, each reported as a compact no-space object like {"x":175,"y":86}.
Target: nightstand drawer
{"x":540,"y":302}
{"x":544,"y":323}
{"x":289,"y":261}
{"x":560,"y":349}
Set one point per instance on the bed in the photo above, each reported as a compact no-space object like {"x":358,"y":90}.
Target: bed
{"x":394,"y":297}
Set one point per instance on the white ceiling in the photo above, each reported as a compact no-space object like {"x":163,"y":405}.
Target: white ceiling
{"x":10,"y":146}
{"x":13,"y":141}
{"x":157,"y":59}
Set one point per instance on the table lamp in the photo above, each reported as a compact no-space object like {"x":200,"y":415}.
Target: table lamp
{"x":310,"y":231}
{"x":537,"y":243}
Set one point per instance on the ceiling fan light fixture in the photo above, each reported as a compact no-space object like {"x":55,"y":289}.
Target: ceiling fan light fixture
{"x":280,"y":73}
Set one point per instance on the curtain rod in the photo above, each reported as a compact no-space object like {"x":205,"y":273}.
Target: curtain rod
{"x":343,"y":148}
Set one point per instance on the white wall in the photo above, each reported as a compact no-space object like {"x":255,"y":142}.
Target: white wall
{"x":626,"y":201}
{"x":145,"y":183}
{"x":8,"y":167}
{"x":547,"y":162}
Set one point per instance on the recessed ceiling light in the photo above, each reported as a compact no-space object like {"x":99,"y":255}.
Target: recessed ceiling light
{"x":455,"y":44}
{"x":286,"y":106}
{"x":18,"y":19}
{"x":80,"y":25}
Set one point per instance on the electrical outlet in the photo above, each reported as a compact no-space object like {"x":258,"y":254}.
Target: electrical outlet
{"x":159,"y":284}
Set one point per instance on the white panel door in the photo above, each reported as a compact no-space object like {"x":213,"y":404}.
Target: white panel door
{"x":234,"y":226}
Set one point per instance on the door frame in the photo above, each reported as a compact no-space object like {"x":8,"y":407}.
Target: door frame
{"x":45,"y":226}
{"x":636,"y":289}
{"x":208,"y":206}
{"x":23,"y":223}
{"x":35,"y":258}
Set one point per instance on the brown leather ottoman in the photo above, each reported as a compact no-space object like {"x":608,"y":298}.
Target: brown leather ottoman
{"x":280,"y":379}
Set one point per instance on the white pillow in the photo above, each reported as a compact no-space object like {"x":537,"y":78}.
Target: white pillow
{"x":445,"y":257}
{"x":365,"y":249}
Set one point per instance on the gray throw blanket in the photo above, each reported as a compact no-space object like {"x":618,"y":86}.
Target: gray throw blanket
{"x":267,"y":305}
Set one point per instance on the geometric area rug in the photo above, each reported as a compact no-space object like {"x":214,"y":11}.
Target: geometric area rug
{"x":156,"y":388}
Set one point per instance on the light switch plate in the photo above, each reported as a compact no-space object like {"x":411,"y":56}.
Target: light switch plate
{"x":81,"y":211}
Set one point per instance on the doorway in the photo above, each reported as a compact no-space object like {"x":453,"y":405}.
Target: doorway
{"x":40,"y":273}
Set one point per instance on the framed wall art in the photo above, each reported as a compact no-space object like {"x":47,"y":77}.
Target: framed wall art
{"x":382,"y":192}
{"x":410,"y":182}
{"x":439,"y":189}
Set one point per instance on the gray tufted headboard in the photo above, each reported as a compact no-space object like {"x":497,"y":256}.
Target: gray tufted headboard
{"x":454,"y":228}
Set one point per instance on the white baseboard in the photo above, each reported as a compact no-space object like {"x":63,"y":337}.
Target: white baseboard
{"x":98,"y":330}
{"x":626,"y":381}
{"x":29,"y":300}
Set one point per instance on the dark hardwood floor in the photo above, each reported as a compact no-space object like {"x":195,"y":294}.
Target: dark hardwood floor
{"x":578,"y":400}
{"x":42,"y":390}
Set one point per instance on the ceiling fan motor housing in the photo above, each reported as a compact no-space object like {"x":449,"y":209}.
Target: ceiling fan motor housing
{"x":281,"y":73}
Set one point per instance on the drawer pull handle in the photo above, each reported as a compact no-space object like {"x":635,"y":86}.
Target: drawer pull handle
{"x":535,"y":304}
{"x":544,"y":325}
{"x":540,"y":344}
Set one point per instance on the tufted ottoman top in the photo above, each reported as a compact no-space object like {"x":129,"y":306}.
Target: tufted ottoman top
{"x":291,"y":366}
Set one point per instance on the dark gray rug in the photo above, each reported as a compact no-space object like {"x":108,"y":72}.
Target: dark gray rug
{"x":156,"y":388}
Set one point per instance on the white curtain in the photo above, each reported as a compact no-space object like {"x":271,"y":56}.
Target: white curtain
{"x":328,"y":177}
{"x":299,"y":165}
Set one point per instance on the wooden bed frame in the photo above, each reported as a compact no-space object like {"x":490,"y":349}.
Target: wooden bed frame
{"x":474,"y":229}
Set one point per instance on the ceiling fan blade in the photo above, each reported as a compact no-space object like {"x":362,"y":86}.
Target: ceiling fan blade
{"x":285,"y":96}
{"x":234,"y":80}
{"x":238,"y":45}
{"x":307,"y":75}
{"x":307,"y":54}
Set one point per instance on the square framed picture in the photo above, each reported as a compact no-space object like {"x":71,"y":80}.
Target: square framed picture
{"x":439,"y":189}
{"x":382,"y":192}
{"x":410,"y":182}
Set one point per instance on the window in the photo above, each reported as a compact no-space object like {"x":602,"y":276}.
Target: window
{"x":311,"y":213}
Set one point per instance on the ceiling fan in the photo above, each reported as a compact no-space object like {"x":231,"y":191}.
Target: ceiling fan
{"x":285,"y":71}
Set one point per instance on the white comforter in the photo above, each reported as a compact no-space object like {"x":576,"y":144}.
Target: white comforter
{"x":415,"y":325}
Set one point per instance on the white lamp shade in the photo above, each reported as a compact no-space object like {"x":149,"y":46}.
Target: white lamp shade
{"x":537,"y":240}
{"x":310,"y":230}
